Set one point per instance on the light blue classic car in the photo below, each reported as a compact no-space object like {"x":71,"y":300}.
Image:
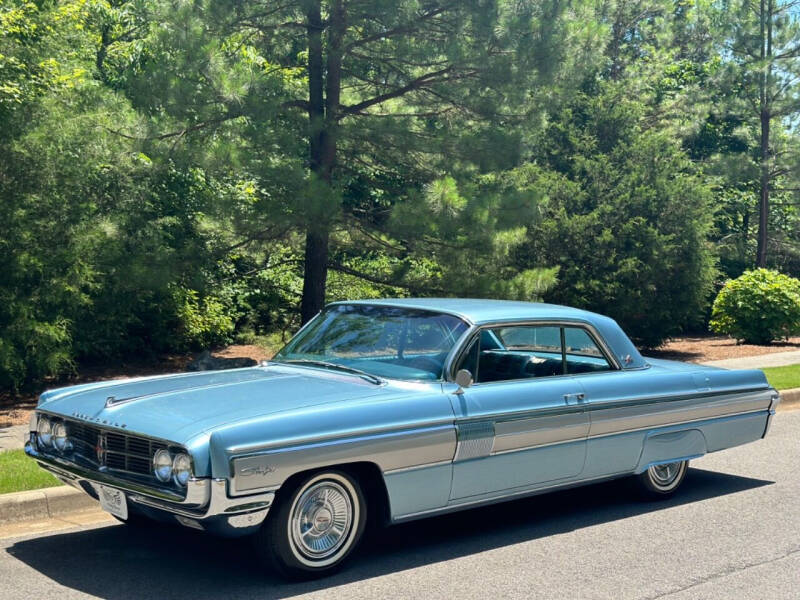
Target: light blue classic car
{"x":391,"y":410}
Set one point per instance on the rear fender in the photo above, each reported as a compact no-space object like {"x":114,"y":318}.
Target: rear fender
{"x":660,"y":448}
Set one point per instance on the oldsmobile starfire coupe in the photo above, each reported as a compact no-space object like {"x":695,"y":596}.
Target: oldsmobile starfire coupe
{"x":392,"y":410}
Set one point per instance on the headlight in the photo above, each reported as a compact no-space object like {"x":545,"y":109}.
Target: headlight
{"x":182,"y":469}
{"x":162,"y":465}
{"x":44,"y":432}
{"x":60,"y":439}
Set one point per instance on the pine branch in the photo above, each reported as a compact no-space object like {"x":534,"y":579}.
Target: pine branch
{"x":419,"y":82}
{"x":180,"y":132}
{"x":381,"y":281}
{"x":270,"y":233}
{"x":406,"y":28}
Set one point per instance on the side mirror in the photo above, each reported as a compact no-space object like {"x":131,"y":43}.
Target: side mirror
{"x":463,"y":380}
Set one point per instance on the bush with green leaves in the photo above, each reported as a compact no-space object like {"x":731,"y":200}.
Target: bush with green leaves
{"x":758,"y":307}
{"x":204,"y":322}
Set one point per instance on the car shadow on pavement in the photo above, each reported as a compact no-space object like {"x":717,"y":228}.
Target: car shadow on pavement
{"x":122,"y":563}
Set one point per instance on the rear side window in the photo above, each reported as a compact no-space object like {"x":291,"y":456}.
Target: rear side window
{"x":532,"y":351}
{"x":581,"y":352}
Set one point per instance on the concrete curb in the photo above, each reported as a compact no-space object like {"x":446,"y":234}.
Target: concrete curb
{"x":45,"y":503}
{"x":790,"y":399}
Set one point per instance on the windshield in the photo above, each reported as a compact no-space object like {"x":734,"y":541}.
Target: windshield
{"x":386,"y":341}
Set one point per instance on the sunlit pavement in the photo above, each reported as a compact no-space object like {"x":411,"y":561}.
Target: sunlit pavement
{"x":733,"y":532}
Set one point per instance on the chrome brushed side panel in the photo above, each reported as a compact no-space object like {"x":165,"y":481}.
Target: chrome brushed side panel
{"x":641,"y":416}
{"x":390,"y":451}
{"x":474,"y":440}
{"x":540,"y":430}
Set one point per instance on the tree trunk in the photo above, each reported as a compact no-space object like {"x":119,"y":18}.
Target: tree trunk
{"x":315,"y":274}
{"x":763,"y":204}
{"x":765,"y":116}
{"x":323,"y":115}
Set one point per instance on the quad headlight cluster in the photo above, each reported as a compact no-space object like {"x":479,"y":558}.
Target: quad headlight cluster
{"x":177,"y":468}
{"x":53,"y":434}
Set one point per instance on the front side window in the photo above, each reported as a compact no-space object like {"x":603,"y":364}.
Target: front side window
{"x":385,"y":341}
{"x":531,"y":351}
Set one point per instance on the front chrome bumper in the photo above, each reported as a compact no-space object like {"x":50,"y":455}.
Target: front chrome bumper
{"x":206,"y":499}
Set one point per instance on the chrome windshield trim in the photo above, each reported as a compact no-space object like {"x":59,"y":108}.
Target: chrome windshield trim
{"x":410,"y":306}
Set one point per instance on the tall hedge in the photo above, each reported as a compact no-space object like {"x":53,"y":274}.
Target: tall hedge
{"x":624,"y":217}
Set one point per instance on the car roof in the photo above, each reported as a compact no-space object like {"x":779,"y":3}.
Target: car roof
{"x":480,"y":311}
{"x":483,"y":311}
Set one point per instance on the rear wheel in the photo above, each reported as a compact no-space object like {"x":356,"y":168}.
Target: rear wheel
{"x":314,"y":528}
{"x":661,"y":481}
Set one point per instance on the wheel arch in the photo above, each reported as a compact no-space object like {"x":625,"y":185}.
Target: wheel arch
{"x":369,"y":477}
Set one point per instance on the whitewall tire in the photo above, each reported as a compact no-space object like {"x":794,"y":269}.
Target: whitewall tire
{"x":661,"y":481}
{"x":314,"y":526}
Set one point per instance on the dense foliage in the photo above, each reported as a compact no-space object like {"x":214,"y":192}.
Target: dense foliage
{"x":179,"y":175}
{"x":758,"y":307}
{"x":625,"y":217}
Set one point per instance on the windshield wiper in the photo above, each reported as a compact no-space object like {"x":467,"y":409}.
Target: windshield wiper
{"x":332,"y":365}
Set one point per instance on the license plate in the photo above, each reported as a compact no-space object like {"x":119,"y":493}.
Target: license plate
{"x":113,"y":501}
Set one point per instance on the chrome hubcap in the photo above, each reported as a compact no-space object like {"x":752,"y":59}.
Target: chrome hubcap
{"x":322,"y":519}
{"x":665,"y":475}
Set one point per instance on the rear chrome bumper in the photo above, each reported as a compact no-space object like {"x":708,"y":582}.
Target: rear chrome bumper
{"x":773,"y":405}
{"x":205,"y":498}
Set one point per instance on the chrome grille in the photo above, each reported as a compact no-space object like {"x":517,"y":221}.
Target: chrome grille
{"x":113,"y":450}
{"x":84,"y":437}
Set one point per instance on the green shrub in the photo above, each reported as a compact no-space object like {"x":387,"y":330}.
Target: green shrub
{"x":204,"y":322}
{"x":758,"y":307}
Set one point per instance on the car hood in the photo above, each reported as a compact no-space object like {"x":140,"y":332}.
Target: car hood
{"x":180,"y":407}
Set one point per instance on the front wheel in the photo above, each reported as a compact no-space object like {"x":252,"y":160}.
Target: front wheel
{"x":661,"y":481}
{"x":314,"y":528}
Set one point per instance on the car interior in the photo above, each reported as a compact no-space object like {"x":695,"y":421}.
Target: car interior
{"x":490,"y":359}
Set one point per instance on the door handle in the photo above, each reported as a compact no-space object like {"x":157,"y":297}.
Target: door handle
{"x":578,"y":397}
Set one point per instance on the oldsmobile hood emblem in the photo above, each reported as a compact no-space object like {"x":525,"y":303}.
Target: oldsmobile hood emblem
{"x":98,"y":420}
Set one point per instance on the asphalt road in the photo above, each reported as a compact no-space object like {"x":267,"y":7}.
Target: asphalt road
{"x":733,"y":532}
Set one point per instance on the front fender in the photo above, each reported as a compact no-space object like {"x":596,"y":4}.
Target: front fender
{"x":396,"y":433}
